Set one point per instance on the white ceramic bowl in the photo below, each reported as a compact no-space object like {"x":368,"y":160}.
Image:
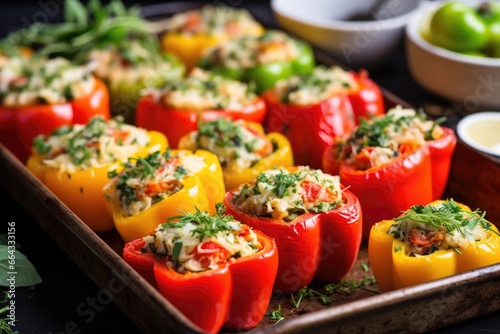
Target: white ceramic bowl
{"x":356,"y":44}
{"x":481,"y":131}
{"x":472,"y":81}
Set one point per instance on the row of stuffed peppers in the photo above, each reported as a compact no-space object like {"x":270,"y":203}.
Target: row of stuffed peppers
{"x":82,"y":165}
{"x":336,"y":98}
{"x":315,"y":222}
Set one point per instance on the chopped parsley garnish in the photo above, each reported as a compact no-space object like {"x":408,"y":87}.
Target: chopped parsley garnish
{"x":206,"y":225}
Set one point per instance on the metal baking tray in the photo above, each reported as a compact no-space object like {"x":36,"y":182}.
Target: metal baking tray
{"x":411,"y":310}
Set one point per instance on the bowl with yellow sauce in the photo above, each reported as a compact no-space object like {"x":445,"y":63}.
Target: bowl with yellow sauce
{"x":481,"y":131}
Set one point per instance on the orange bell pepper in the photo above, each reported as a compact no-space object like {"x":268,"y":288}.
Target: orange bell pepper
{"x":390,"y":250}
{"x":175,"y":180}
{"x":81,"y":189}
{"x":233,"y":141}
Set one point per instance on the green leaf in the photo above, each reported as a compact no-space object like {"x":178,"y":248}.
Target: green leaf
{"x":74,"y":11}
{"x":25,"y":272}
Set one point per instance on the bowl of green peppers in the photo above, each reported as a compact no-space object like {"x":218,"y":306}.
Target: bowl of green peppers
{"x":453,"y":51}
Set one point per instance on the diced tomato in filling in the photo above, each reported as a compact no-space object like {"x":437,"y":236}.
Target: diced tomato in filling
{"x":363,"y":158}
{"x":156,"y":188}
{"x":121,"y":135}
{"x":312,"y":192}
{"x":210,"y":252}
{"x":427,"y":241}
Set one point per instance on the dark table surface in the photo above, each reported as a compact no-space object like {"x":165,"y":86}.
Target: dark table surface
{"x":67,"y":301}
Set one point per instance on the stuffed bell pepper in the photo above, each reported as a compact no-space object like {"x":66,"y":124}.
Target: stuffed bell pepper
{"x":128,"y":68}
{"x":38,"y":95}
{"x":242,"y":148}
{"x":429,"y":242}
{"x":217,"y":271}
{"x":73,"y":162}
{"x":387,"y":163}
{"x":190,"y":33}
{"x":315,"y":221}
{"x":311,"y":110}
{"x":262,"y":60}
{"x":149,"y":189}
{"x":177,"y":108}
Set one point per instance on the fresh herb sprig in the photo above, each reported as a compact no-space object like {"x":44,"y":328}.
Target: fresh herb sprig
{"x":448,"y":215}
{"x":85,"y":28}
{"x":207,"y":225}
{"x":276,"y":314}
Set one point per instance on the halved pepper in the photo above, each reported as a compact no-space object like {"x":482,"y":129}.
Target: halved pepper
{"x":395,"y":266}
{"x":81,"y":188}
{"x":388,"y":165}
{"x":319,"y":243}
{"x":20,"y":125}
{"x":263,"y":67}
{"x":159,"y":111}
{"x":172,"y":181}
{"x":233,"y":292}
{"x":242,"y":148}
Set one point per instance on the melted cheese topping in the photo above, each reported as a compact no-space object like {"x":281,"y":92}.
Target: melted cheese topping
{"x":422,"y":238}
{"x":321,"y":84}
{"x":150,"y":180}
{"x":236,"y":146}
{"x":203,"y":90}
{"x":134,"y":64}
{"x":250,"y":51}
{"x":378,"y":141}
{"x":33,"y":81}
{"x":215,"y":21}
{"x":280,"y":194}
{"x":95,"y":144}
{"x":192,"y":254}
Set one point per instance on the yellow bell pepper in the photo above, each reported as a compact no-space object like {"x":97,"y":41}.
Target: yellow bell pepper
{"x":196,"y":188}
{"x":395,"y":267}
{"x":81,"y":190}
{"x":199,"y":31}
{"x":280,"y":151}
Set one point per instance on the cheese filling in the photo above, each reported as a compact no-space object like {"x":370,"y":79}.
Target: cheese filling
{"x":95,"y":144}
{"x":379,"y":140}
{"x":251,"y":51}
{"x":132,"y":64}
{"x":236,"y":146}
{"x":281,"y":194}
{"x":197,"y":242}
{"x":32,"y":81}
{"x":441,"y":226}
{"x":203,"y":90}
{"x":321,"y":84}
{"x":215,"y":21}
{"x":146,"y":181}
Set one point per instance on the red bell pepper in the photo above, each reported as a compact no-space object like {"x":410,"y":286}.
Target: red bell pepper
{"x":20,"y":125}
{"x":408,"y":177}
{"x":234,"y":294}
{"x":177,"y":108}
{"x":309,"y":129}
{"x":366,"y":99}
{"x":441,"y":152}
{"x":315,"y":245}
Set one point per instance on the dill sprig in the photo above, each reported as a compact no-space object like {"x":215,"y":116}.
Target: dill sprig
{"x":448,"y":215}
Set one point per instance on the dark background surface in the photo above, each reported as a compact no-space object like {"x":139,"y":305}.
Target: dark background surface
{"x":68,"y":301}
